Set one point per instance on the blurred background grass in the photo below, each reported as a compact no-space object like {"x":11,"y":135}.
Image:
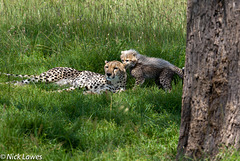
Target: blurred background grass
{"x":82,"y":34}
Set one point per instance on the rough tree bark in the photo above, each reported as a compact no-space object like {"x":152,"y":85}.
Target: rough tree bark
{"x":210,"y":114}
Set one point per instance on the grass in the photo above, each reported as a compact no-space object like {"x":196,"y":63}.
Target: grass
{"x":141,"y":124}
{"x":123,"y":126}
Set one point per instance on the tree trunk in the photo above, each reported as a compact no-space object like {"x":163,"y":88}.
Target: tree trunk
{"x":210,"y":114}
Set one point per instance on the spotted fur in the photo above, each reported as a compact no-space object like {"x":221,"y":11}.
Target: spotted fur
{"x":114,"y":79}
{"x":143,"y":67}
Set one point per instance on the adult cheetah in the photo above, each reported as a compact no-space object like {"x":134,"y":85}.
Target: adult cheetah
{"x":114,"y":79}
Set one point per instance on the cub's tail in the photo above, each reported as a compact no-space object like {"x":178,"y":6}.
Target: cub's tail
{"x":178,"y":71}
{"x":183,"y":70}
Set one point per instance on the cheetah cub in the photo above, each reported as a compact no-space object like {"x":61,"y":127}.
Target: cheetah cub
{"x":143,"y":67}
{"x":114,"y":79}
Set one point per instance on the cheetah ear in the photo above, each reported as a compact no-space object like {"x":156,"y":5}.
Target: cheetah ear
{"x":134,"y":53}
{"x":123,"y":52}
{"x":121,"y":56}
{"x":106,"y":61}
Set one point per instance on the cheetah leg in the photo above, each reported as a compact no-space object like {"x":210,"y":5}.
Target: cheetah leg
{"x":88,"y":92}
{"x":138,"y":82}
{"x":166,"y":84}
{"x":158,"y":83}
{"x":67,"y":89}
{"x":165,"y":79}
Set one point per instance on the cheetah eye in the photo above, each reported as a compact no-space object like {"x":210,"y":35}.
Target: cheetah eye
{"x":127,"y":60}
{"x":106,"y":66}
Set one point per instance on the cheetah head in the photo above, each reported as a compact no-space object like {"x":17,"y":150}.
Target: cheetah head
{"x":129,"y":58}
{"x":114,"y":70}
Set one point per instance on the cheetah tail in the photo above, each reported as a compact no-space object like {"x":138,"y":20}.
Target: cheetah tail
{"x":16,"y":75}
{"x":179,"y":72}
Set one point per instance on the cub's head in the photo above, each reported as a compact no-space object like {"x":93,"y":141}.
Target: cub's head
{"x":114,"y":70}
{"x":129,"y":58}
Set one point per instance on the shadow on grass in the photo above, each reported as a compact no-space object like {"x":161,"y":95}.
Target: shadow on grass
{"x":85,"y":122}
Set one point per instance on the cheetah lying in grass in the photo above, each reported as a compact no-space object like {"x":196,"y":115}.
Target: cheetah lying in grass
{"x":114,"y":79}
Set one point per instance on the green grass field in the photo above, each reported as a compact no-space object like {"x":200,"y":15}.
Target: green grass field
{"x":141,"y":124}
